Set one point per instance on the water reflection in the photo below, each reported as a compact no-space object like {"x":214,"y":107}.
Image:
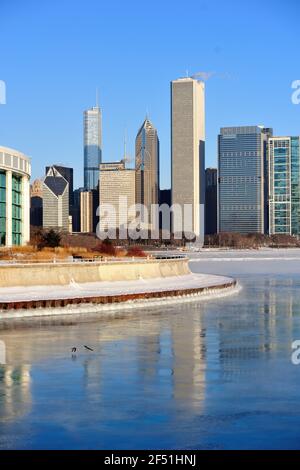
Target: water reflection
{"x":165,"y":377}
{"x":15,"y":394}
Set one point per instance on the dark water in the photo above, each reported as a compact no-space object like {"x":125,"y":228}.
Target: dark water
{"x":210,"y":375}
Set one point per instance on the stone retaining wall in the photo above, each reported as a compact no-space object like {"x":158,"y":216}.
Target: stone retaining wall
{"x":64,"y":273}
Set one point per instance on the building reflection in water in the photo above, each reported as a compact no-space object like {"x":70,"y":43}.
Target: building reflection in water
{"x":253,"y":328}
{"x":189,"y":357}
{"x":15,"y":393}
{"x":177,"y":351}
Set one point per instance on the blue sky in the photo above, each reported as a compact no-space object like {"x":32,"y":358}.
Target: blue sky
{"x":54,"y":54}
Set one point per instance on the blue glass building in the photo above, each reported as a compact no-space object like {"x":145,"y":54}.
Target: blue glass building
{"x":242,"y":179}
{"x":284,"y":185}
{"x":92,"y":147}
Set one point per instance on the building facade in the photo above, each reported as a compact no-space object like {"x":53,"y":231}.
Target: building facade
{"x":147,"y":167}
{"x":284,"y":185}
{"x":117,"y":188}
{"x":243,"y":181}
{"x":89,"y":201}
{"x":188,"y":150}
{"x":15,"y":171}
{"x":55,"y":201}
{"x":36,"y":203}
{"x":92,"y":147}
{"x":211,"y":201}
{"x":67,"y":173}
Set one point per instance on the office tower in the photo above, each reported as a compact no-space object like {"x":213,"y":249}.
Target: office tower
{"x":89,"y":201}
{"x":284,"y":185}
{"x":211,"y":198}
{"x":67,"y":173}
{"x":116,"y":184}
{"x":92,"y":147}
{"x":75,"y":209}
{"x":36,"y":203}
{"x":243,"y":182}
{"x":147,"y":166}
{"x":15,"y":171}
{"x":55,"y":201}
{"x":188,"y":150}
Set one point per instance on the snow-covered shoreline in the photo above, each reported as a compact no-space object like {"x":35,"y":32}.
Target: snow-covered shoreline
{"x":101,"y":297}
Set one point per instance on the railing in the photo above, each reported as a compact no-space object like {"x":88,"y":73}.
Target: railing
{"x":101,"y":259}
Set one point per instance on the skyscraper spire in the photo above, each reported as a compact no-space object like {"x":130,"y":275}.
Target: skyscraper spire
{"x":97,"y":98}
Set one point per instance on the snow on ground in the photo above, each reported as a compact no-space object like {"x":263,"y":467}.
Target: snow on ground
{"x":92,"y":289}
{"x":243,"y":262}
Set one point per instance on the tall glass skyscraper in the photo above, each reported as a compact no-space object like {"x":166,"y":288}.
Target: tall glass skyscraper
{"x":92,"y":147}
{"x":243,"y":181}
{"x":284,"y":185}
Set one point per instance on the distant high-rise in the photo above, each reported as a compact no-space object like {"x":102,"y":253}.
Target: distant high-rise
{"x":284,"y":185}
{"x":67,"y":173}
{"x":243,"y":182}
{"x":36,"y":203}
{"x":55,"y":201}
{"x":188,"y":149}
{"x":147,"y":166}
{"x":89,"y":201}
{"x":116,"y":183}
{"x":211,"y":197}
{"x":92,"y":147}
{"x":75,"y":210}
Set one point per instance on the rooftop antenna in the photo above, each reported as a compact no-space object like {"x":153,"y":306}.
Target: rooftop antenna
{"x":187,"y":73}
{"x":125,"y":145}
{"x":126,"y":158}
{"x":97,"y":98}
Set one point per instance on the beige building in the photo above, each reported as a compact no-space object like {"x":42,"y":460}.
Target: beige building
{"x":15,"y":170}
{"x":86,"y":212}
{"x":188,"y":151}
{"x":147,"y":167}
{"x":36,"y":188}
{"x":117,"y":188}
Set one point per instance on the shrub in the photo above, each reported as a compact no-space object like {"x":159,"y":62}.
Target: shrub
{"x":50,"y":239}
{"x":136,"y":251}
{"x":105,"y":248}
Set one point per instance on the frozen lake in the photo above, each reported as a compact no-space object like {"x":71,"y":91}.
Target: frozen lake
{"x":211,"y":374}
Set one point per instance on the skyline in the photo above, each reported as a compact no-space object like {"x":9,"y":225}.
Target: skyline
{"x":43,"y":113}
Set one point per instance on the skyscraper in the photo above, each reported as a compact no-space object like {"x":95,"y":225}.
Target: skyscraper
{"x":284,"y":185}
{"x":117,"y":183}
{"x":211,"y":198}
{"x":92,"y":147}
{"x":36,"y":203}
{"x":188,"y":149}
{"x":147,"y":166}
{"x":55,"y":201}
{"x":67,"y":173}
{"x":243,"y":182}
{"x":89,"y":202}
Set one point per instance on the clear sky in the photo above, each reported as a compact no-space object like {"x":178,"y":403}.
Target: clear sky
{"x":54,"y":54}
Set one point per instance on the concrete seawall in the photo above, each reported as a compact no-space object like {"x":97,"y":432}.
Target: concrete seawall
{"x":65,"y":273}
